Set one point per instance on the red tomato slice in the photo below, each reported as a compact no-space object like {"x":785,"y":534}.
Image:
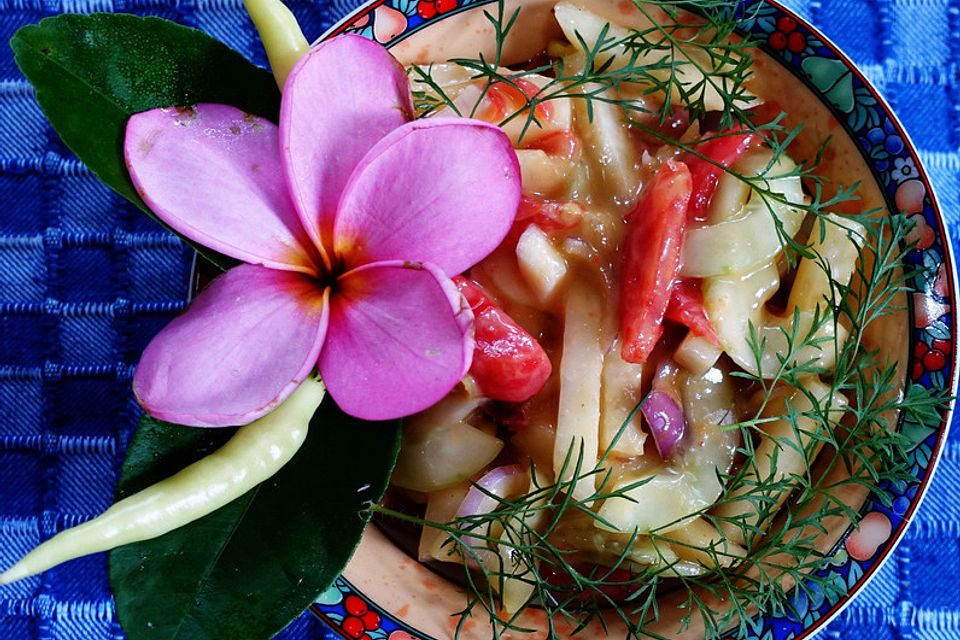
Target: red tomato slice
{"x":508,"y":363}
{"x":560,"y":144}
{"x":549,"y":215}
{"x":724,"y":150}
{"x":652,"y":259}
{"x":686,"y":308}
{"x":506,"y":99}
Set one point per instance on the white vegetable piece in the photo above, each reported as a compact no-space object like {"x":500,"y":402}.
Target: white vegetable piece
{"x":581,"y":368}
{"x":783,"y":452}
{"x":498,"y":272}
{"x":666,"y":501}
{"x":518,"y":583}
{"x":442,"y":506}
{"x":621,"y":393}
{"x":440,"y":449}
{"x":542,"y":174}
{"x":542,"y":265}
{"x":702,"y":542}
{"x":746,"y":238}
{"x":697,"y":354}
{"x":672,"y":497}
{"x":579,"y":24}
{"x":625,"y":550}
{"x":607,"y":147}
{"x":446,"y":75}
{"x":735,"y":304}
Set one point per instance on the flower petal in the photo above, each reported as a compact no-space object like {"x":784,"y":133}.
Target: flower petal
{"x":241,"y":348}
{"x":400,"y":339}
{"x":343,"y":96}
{"x":440,"y":190}
{"x":213,"y":173}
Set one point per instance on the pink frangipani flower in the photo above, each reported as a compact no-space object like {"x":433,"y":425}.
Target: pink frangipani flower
{"x":351,"y":218}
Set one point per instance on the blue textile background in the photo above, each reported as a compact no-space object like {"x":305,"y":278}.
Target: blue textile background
{"x":86,"y":280}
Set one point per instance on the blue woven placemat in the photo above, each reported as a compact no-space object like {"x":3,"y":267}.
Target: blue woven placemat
{"x":86,"y":280}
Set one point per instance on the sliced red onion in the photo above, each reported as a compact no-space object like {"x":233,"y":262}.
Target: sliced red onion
{"x":506,"y":481}
{"x":667,"y":424}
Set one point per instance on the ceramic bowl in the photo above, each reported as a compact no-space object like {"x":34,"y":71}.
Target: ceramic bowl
{"x":398,"y":598}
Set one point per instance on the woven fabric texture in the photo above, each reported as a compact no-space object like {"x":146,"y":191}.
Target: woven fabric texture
{"x":86,"y":280}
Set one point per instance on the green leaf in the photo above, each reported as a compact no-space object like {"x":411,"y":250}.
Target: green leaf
{"x":92,"y":72}
{"x":249,"y":568}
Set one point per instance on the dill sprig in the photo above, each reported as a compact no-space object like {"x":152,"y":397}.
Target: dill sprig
{"x":838,"y":420}
{"x":655,"y":58}
{"x":724,"y":61}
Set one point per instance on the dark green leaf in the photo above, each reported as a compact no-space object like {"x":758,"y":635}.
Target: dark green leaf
{"x":249,"y":568}
{"x":92,"y":72}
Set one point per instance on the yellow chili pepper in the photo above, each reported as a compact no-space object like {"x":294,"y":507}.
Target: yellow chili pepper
{"x":254,"y":453}
{"x":281,"y":35}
